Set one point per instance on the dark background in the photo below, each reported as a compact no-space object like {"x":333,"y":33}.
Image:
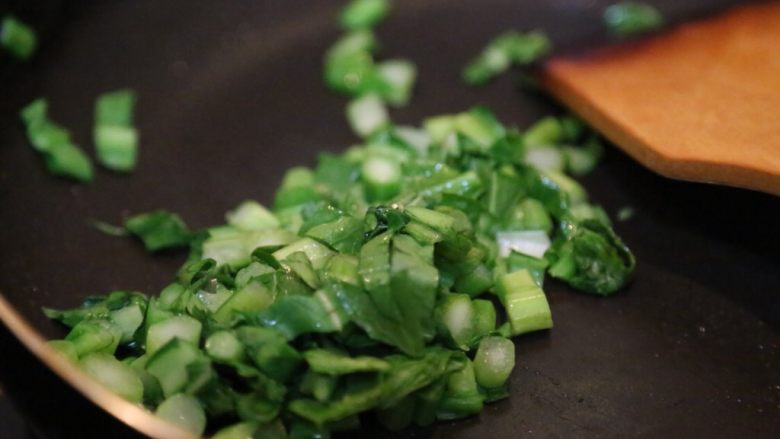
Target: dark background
{"x":230,"y":95}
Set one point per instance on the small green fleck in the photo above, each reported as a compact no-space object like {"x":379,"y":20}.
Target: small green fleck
{"x":17,"y":38}
{"x":632,"y":18}
{"x":625,"y":213}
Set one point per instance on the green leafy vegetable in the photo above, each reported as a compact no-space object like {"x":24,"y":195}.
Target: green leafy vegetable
{"x":350,"y":67}
{"x":363,"y":288}
{"x":632,"y":18}
{"x":508,"y":49}
{"x":69,"y":160}
{"x":331,"y":363}
{"x":525,"y":303}
{"x":185,"y":411}
{"x":116,"y":140}
{"x":590,"y":257}
{"x":462,"y":396}
{"x":299,"y":314}
{"x":117,"y":376}
{"x":62,"y":157}
{"x":367,"y":115}
{"x":361,"y":14}
{"x":107,"y":228}
{"x":625,"y":213}
{"x":17,"y":38}
{"x":159,"y":230}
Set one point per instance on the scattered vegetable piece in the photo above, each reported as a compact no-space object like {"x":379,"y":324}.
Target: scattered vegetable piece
{"x":159,"y":230}
{"x":62,"y":157}
{"x":591,"y":257}
{"x":367,"y":114}
{"x":17,"y":38}
{"x":625,"y":213}
{"x":116,"y":140}
{"x":108,"y":229}
{"x":508,"y":49}
{"x":361,"y":14}
{"x":632,"y":18}
{"x":349,"y":66}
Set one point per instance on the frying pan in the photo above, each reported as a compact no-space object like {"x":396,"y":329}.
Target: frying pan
{"x":230,"y":95}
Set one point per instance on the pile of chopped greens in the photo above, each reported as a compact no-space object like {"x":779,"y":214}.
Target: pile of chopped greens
{"x":387,"y":279}
{"x":384,"y":282}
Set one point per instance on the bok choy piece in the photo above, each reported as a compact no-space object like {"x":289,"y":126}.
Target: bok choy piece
{"x":159,"y":230}
{"x":508,"y":49}
{"x":17,"y":38}
{"x":116,"y":140}
{"x":62,"y":156}
{"x":632,"y":18}
{"x":349,"y":64}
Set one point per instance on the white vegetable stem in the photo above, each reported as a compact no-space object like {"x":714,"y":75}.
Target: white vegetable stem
{"x":529,"y":242}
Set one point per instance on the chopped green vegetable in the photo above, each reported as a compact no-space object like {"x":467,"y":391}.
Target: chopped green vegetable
{"x":159,"y":230}
{"x":330,"y":363}
{"x":241,"y":430}
{"x":115,"y":375}
{"x":170,"y":365}
{"x":625,"y":213}
{"x":494,"y":361}
{"x":399,"y":75}
{"x":251,"y":216}
{"x":62,"y":157}
{"x":184,"y":411}
{"x":367,"y":115}
{"x":183,"y":328}
{"x":457,"y":315}
{"x":361,"y":14}
{"x":528,"y":242}
{"x":509,"y":48}
{"x":546,"y":131}
{"x":363,"y":289}
{"x":349,"y":64}
{"x":381,"y":179}
{"x":116,"y":140}
{"x":462,"y":397}
{"x":64,"y":348}
{"x":224,"y":346}
{"x":525,"y":303}
{"x":69,"y":160}
{"x":632,"y":18}
{"x":591,"y":258}
{"x":115,"y":108}
{"x":17,"y":38}
{"x":117,"y":147}
{"x":108,"y":229}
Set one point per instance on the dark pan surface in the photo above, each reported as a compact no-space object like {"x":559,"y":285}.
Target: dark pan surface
{"x":230,"y":95}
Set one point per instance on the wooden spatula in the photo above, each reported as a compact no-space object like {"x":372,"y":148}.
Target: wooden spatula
{"x":700,"y":102}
